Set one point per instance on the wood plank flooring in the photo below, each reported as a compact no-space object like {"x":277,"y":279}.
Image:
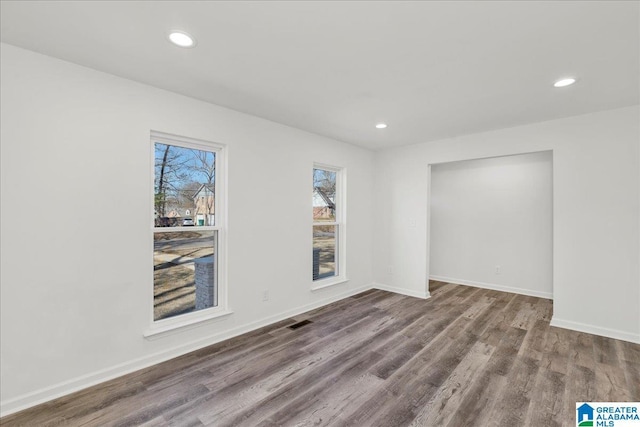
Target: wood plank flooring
{"x":465,"y":357}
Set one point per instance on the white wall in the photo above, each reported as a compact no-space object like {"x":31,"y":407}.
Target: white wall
{"x":76,"y":264}
{"x":491,"y":223}
{"x":596,"y":283}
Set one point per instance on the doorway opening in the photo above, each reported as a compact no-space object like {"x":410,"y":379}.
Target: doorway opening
{"x":490,"y":223}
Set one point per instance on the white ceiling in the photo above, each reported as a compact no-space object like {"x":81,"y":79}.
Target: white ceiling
{"x":429,"y":69}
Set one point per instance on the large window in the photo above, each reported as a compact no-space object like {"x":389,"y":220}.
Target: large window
{"x":328,"y":226}
{"x":187,"y":231}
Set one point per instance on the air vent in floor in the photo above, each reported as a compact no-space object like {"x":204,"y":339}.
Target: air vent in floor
{"x":300,"y":324}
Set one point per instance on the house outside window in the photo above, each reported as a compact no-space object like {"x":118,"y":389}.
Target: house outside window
{"x":204,"y":209}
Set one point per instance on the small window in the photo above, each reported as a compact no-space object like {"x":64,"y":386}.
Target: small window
{"x":328,"y":227}
{"x":187,"y":230}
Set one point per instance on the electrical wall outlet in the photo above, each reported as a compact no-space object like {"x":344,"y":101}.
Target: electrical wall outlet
{"x":265,"y":295}
{"x":498,"y":268}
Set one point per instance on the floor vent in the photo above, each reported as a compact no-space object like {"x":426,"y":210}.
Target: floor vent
{"x":300,"y":324}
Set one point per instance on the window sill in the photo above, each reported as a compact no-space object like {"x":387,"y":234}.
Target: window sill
{"x":321,"y":284}
{"x":155,"y":331}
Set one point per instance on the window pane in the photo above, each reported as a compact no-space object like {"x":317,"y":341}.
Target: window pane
{"x":184,"y":186}
{"x":324,"y":251}
{"x":185,"y":272}
{"x":324,"y":195}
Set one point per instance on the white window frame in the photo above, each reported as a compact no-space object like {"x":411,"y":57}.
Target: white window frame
{"x":157,"y":327}
{"x":341,"y":227}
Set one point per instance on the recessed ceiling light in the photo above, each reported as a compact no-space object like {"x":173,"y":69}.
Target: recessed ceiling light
{"x":381,"y":125}
{"x":182,"y":39}
{"x":564,"y":82}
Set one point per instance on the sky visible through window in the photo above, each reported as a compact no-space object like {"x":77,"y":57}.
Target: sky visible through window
{"x":325,"y":180}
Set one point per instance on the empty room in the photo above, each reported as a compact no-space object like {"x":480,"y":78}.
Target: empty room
{"x":296,"y":213}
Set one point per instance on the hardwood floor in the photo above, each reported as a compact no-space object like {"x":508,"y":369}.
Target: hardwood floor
{"x":465,"y":357}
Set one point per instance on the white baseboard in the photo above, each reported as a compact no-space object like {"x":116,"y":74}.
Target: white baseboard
{"x":595,"y":330}
{"x":46,"y":394}
{"x":529,"y":292}
{"x":408,"y":292}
